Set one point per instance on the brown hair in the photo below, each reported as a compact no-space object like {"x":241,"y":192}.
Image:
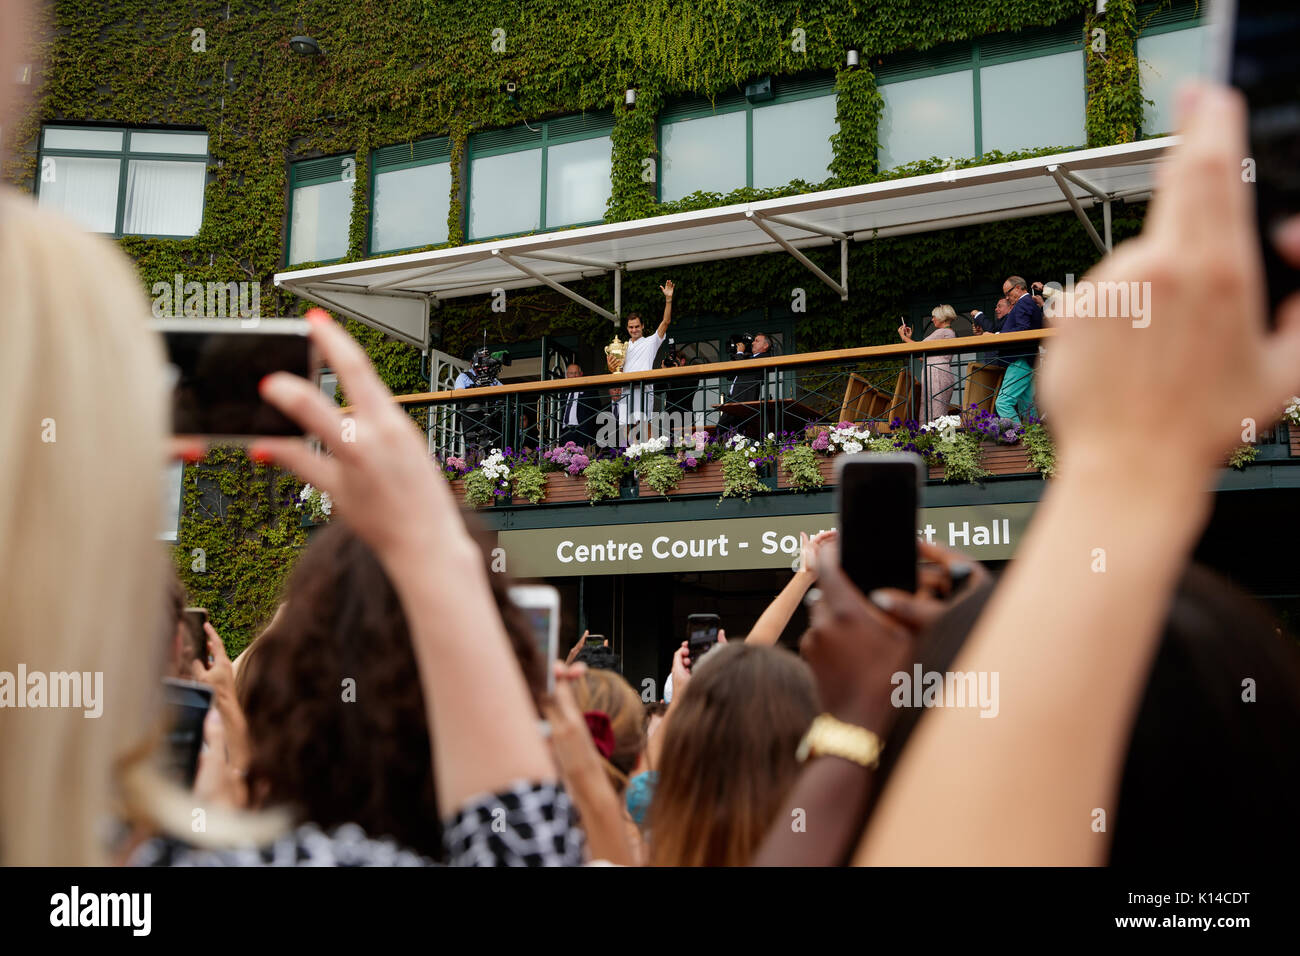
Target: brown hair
{"x":335,"y":708}
{"x":610,"y":693}
{"x":729,"y":755}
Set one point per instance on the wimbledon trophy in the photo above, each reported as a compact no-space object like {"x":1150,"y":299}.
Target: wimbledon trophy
{"x":616,"y":352}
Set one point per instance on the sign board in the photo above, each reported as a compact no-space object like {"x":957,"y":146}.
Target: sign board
{"x":985,"y":532}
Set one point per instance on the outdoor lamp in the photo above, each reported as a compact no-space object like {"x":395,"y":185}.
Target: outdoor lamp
{"x":305,"y":46}
{"x":851,"y":58}
{"x":629,"y":98}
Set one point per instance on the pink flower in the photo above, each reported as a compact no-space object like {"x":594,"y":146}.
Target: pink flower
{"x":822,"y":441}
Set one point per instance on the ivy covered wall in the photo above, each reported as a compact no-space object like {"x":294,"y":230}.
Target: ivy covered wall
{"x":397,"y":70}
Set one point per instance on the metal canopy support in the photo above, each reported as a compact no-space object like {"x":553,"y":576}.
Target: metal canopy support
{"x":1060,"y":174}
{"x":1105,"y":222}
{"x":547,"y":280}
{"x":421,"y":275}
{"x":618,"y":296}
{"x":842,"y":287}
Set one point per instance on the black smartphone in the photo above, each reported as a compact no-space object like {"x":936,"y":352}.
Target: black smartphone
{"x":187,"y":703}
{"x":701,"y":635}
{"x":195,"y":618}
{"x":878,"y":495}
{"x":1258,"y":43}
{"x":216,"y":366}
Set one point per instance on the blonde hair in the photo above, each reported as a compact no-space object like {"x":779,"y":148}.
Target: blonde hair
{"x":944,"y":312}
{"x":83,"y":581}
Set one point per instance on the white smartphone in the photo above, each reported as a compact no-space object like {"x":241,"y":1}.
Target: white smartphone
{"x":541,"y":605}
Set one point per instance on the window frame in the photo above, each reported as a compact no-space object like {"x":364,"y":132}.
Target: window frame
{"x":319,"y":180}
{"x":809,"y":88}
{"x":982,"y":52}
{"x":1159,"y":20}
{"x":545,"y":140}
{"x":440,"y":146}
{"x":124,"y":155}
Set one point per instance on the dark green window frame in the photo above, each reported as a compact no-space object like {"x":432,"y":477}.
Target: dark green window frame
{"x":518,"y":139}
{"x":423,"y":152}
{"x":314,"y":172}
{"x":1156,"y":18}
{"x":989,"y":51}
{"x":124,"y":155}
{"x":783,"y":90}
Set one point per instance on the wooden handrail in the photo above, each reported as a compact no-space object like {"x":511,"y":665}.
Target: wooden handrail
{"x":965,"y":343}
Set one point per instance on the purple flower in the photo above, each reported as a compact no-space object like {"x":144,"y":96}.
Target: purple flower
{"x":691,"y":461}
{"x":822,"y":441}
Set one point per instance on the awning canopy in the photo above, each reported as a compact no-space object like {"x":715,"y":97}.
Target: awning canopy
{"x":394,"y":293}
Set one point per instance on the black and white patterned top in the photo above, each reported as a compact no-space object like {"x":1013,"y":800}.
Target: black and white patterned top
{"x":526,"y":825}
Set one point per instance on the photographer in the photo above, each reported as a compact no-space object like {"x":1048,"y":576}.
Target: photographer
{"x":747,"y":385}
{"x":482,"y":424}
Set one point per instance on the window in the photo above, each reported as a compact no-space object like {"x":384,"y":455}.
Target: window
{"x":125,"y":182}
{"x":1174,"y":46}
{"x":320,"y":208}
{"x":555,"y":174}
{"x":171,"y":502}
{"x":410,"y":195}
{"x":1004,"y":93}
{"x":733,"y":142}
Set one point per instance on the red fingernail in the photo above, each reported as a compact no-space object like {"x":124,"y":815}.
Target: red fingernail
{"x":260,"y":455}
{"x":191,"y":457}
{"x":317,"y":315}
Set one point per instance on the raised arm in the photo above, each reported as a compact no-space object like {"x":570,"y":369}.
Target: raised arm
{"x":667,"y":290}
{"x":1073,"y":628}
{"x":771,"y":623}
{"x":482,"y":722}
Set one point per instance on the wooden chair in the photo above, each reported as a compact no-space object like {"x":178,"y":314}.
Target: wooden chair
{"x":863,"y":402}
{"x":905,"y":403}
{"x":982,"y":384}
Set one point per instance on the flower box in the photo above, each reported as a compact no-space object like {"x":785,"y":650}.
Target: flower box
{"x":561,"y":487}
{"x":998,"y":460}
{"x":704,"y":480}
{"x":1294,"y":431}
{"x":825,"y":464}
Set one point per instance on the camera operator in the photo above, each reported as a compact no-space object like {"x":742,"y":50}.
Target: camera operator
{"x":482,"y":422}
{"x":747,"y":385}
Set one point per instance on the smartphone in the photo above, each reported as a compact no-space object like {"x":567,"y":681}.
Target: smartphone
{"x":1257,"y":43}
{"x":877,"y":498}
{"x":595,"y":640}
{"x":216,"y":366}
{"x":541,"y":606}
{"x":187,"y":703}
{"x":701,"y":635}
{"x":195,"y":618}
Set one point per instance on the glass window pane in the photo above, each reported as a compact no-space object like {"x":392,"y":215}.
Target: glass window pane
{"x":411,"y":207}
{"x":932,"y":116}
{"x":505,"y":194}
{"x":706,"y":154}
{"x":57,"y":137}
{"x":192,"y":143}
{"x":319,"y":229}
{"x":1033,"y":103}
{"x":171,"y":502}
{"x":792,"y":141}
{"x":82,"y":188}
{"x":1165,"y":60}
{"x":162,"y":198}
{"x":577,"y":181}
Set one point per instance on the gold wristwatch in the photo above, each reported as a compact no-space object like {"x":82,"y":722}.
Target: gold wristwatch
{"x":828,"y":737}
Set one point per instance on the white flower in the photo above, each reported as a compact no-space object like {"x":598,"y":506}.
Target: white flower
{"x":946,"y":426}
{"x":771,"y":436}
{"x":752,"y":465}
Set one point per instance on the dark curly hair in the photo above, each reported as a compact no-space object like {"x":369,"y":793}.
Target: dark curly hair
{"x":337,"y":752}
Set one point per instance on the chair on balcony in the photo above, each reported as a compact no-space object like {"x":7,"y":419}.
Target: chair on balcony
{"x":905,"y":403}
{"x":863,"y":402}
{"x":982,"y":384}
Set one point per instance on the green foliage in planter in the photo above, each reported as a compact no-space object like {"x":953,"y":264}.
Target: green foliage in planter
{"x":528,"y":482}
{"x":739,"y":478}
{"x":961,"y":457}
{"x":661,"y":472}
{"x":801,"y":466}
{"x":479,"y":488}
{"x":1243,"y":456}
{"x":1040,"y":450}
{"x":604,"y":478}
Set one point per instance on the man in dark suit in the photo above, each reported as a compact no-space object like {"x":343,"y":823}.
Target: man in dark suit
{"x":747,"y":385}
{"x":982,"y":322}
{"x":578,"y":411}
{"x":1016,"y":396}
